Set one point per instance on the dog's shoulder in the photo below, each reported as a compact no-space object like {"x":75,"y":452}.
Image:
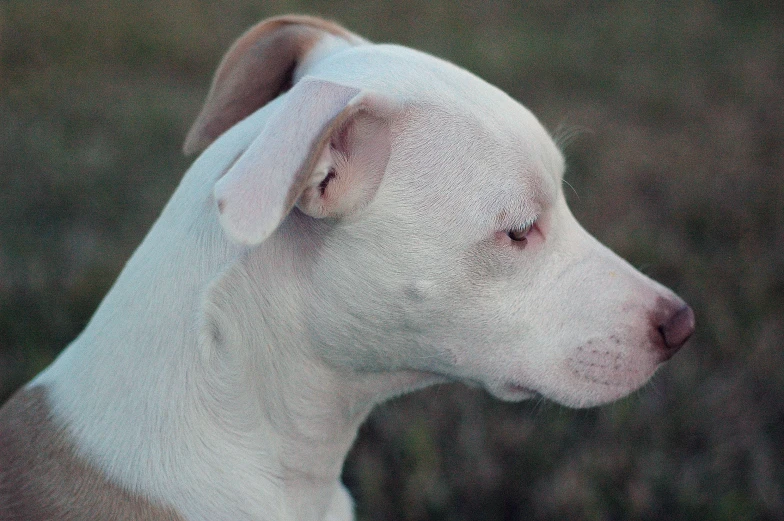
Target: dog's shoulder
{"x":42,"y":477}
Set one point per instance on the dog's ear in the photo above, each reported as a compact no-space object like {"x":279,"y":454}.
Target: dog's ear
{"x":325,"y":148}
{"x":260,"y":65}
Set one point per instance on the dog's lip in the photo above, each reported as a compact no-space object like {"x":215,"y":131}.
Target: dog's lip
{"x":506,"y":390}
{"x":512,"y":391}
{"x":518,"y":389}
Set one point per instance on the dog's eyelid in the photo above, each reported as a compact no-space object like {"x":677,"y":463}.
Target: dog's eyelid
{"x":528,"y":223}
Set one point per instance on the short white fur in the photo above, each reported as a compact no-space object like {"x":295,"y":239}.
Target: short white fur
{"x":227,"y":371}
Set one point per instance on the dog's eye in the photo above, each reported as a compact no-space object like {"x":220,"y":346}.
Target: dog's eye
{"x":520,"y":234}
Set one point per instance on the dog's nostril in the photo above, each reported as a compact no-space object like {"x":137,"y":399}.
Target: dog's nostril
{"x":677,"y":329}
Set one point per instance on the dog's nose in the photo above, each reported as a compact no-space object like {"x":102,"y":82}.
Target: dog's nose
{"x":676,"y":329}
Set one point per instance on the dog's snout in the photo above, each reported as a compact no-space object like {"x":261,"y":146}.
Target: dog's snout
{"x":676,"y":328}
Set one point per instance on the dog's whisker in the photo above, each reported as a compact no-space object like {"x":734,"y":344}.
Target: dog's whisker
{"x":567,"y":183}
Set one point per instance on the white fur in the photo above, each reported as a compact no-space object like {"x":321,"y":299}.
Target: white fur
{"x":228,"y":381}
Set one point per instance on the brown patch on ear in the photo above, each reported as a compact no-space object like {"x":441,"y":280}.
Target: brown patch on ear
{"x":256,"y":69}
{"x":42,"y":478}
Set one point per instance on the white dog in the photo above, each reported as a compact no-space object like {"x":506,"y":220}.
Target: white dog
{"x":366,"y":220}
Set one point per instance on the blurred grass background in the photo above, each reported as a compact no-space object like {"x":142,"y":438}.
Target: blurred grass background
{"x":679,"y":167}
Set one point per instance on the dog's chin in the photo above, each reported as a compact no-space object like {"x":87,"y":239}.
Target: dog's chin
{"x":586,"y":396}
{"x":513,"y":392}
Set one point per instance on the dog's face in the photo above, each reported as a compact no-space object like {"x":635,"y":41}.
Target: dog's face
{"x":429,"y":210}
{"x":468,"y":263}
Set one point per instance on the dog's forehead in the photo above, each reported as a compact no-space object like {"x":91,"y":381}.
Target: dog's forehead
{"x":463,"y":134}
{"x":412,"y":75}
{"x":423,"y":80}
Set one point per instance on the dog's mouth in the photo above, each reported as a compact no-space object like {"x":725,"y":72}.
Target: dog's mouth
{"x":513,"y":392}
{"x":508,"y":391}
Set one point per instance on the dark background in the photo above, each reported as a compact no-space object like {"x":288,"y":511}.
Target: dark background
{"x":676,"y":165}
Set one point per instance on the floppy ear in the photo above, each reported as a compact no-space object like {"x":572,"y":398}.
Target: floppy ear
{"x":260,"y":66}
{"x":325,"y":149}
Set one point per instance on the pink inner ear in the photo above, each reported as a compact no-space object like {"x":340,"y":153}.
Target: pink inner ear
{"x":357,"y":153}
{"x":340,"y":140}
{"x":262,"y":186}
{"x":323,"y":184}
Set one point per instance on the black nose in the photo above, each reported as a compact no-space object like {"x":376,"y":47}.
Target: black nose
{"x":676,"y":329}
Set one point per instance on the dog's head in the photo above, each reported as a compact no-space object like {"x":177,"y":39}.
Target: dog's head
{"x":433,"y":219}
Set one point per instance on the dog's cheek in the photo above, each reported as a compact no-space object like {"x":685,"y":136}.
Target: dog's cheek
{"x":491,"y":262}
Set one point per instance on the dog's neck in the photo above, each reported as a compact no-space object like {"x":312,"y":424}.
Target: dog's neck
{"x":210,"y":407}
{"x":177,"y":391}
{"x":309,"y":410}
